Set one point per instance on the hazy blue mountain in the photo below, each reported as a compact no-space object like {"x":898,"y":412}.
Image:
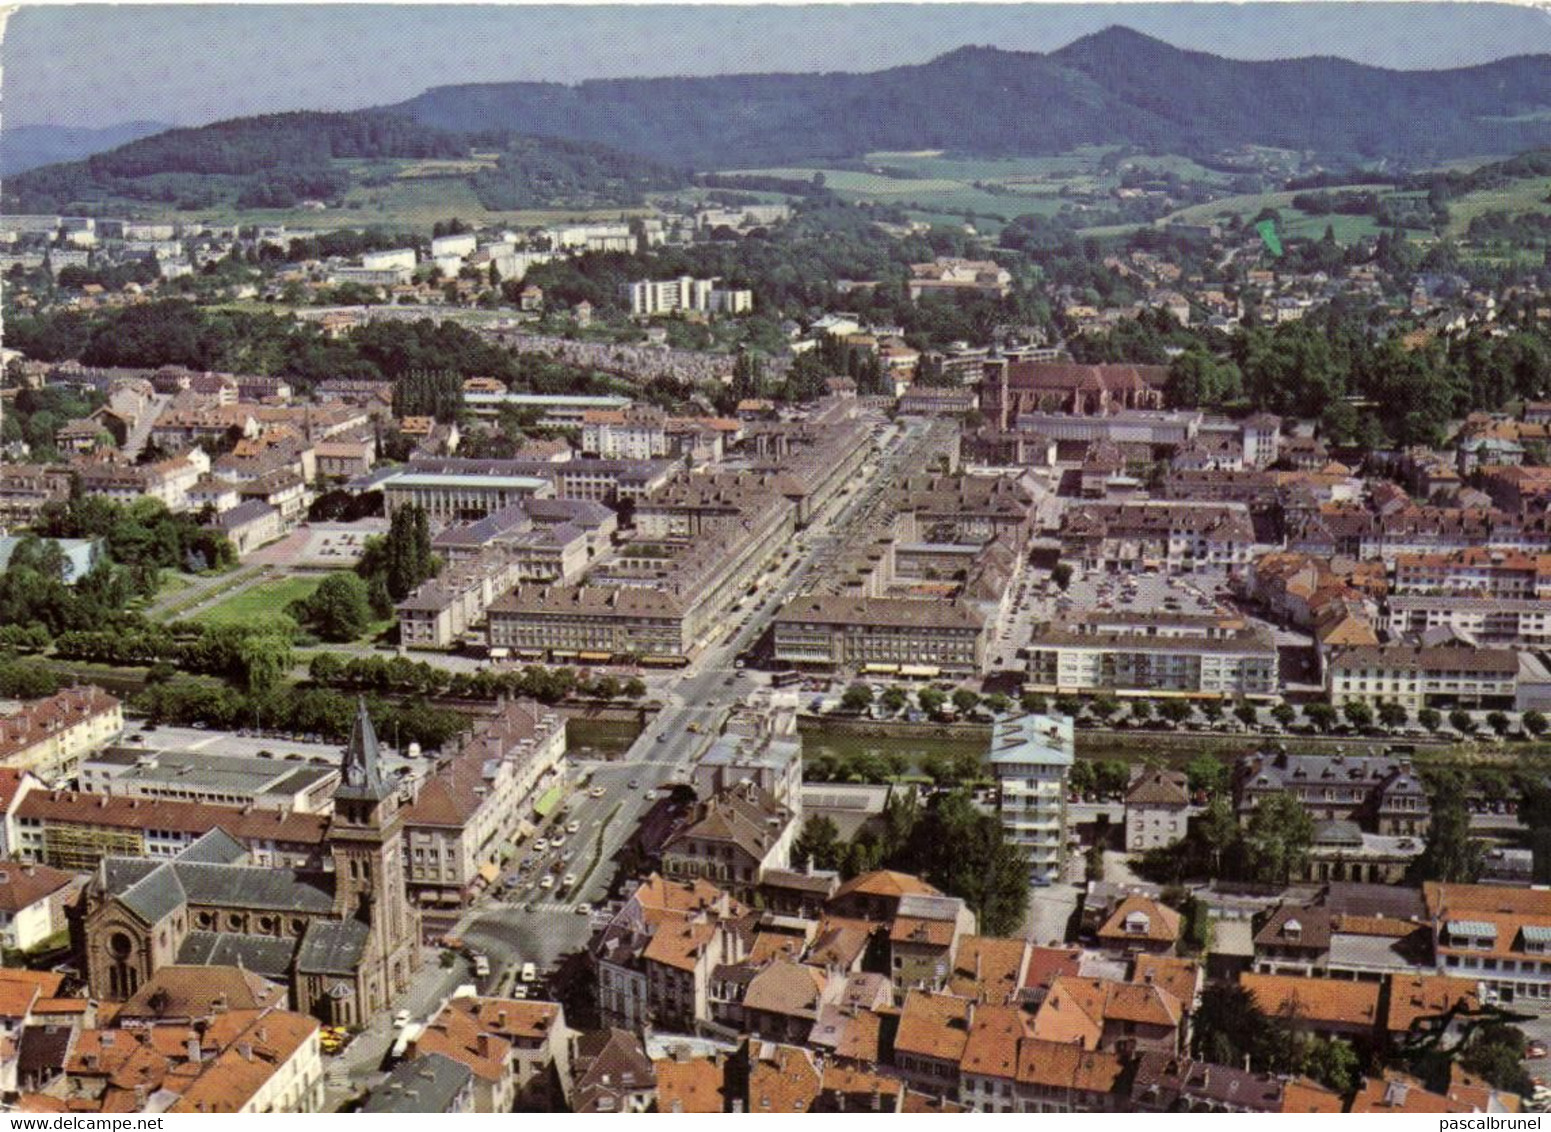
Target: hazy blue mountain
{"x":609,"y":141}
{"x":1116,"y":86}
{"x":27,"y":147}
{"x":277,"y":160}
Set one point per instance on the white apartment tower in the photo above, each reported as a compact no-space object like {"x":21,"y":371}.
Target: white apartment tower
{"x":1031,"y":757}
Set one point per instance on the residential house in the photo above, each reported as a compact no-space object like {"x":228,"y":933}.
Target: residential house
{"x":1141,"y":925}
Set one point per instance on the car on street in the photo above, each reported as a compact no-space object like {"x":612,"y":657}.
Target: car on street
{"x":540,"y":845}
{"x":569,"y":881}
{"x":547,"y":881}
{"x":401,"y":1019}
{"x":584,"y":909}
{"x":596,"y":792}
{"x":573,"y":827}
{"x":1535,"y":1050}
{"x":529,"y":972}
{"x":635,"y":784}
{"x":481,"y":966}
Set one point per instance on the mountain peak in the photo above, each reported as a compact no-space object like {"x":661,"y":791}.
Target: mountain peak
{"x":1114,"y":38}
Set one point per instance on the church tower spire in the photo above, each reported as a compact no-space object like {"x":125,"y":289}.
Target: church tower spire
{"x":360,"y":775}
{"x":367,"y":845}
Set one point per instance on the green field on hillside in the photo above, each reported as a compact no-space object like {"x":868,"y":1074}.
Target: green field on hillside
{"x":935,"y":186}
{"x":1528,"y":195}
{"x":415,"y":195}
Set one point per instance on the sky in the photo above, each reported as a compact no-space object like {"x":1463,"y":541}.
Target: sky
{"x":187,"y":64}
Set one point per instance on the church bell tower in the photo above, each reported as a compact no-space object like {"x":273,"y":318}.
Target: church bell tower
{"x":367,"y":845}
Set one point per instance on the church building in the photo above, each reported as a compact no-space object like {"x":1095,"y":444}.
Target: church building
{"x":345,"y":941}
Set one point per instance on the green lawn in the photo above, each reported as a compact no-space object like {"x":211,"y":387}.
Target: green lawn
{"x":260,"y":604}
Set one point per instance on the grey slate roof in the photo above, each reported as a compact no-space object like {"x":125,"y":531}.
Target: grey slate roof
{"x":214,"y":848}
{"x":332,"y":947}
{"x":154,"y":896}
{"x":261,"y":954}
{"x":427,"y":1084}
{"x":119,"y":873}
{"x":239,"y":886}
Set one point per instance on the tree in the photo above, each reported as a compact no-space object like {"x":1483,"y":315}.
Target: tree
{"x":326,"y":669}
{"x":1228,"y":1027}
{"x":1197,"y":378}
{"x":857,"y":698}
{"x":1451,"y":853}
{"x":895,"y":699}
{"x":965,"y":701}
{"x":1498,"y":722}
{"x":1322,"y":716}
{"x":1206,"y":774}
{"x":1245,"y":713}
{"x":1277,"y":839}
{"x":1358,"y":714}
{"x":1429,"y":718}
{"x":965,"y":853}
{"x":1495,"y":1052}
{"x":1035,"y":704}
{"x":1392,"y":714}
{"x":931,"y":700}
{"x":1534,"y":722}
{"x":1175,"y":711}
{"x":1218,"y":829}
{"x":1111,"y":777}
{"x":1462,"y":721}
{"x":1104,"y":707}
{"x":967,"y":767}
{"x":263,"y":660}
{"x":1141,"y":710}
{"x":1061,"y":574}
{"x":1082,"y":779}
{"x":338,"y":610}
{"x":818,"y":844}
{"x":998,"y":703}
{"x":404,"y":557}
{"x":1333,"y":1063}
{"x":1284,"y":714}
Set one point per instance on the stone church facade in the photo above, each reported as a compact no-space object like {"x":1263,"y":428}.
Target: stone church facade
{"x":345,"y":941}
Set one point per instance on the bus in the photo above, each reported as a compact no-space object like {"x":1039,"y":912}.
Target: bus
{"x":664,"y":661}
{"x":785,"y":679}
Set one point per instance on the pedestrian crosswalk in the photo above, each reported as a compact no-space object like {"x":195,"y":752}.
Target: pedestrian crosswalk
{"x":543,"y":907}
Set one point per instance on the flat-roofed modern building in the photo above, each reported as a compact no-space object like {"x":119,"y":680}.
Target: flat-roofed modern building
{"x":1155,"y":653}
{"x":449,"y":497}
{"x":193,"y":776}
{"x":1031,"y":757}
{"x":557,"y":408}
